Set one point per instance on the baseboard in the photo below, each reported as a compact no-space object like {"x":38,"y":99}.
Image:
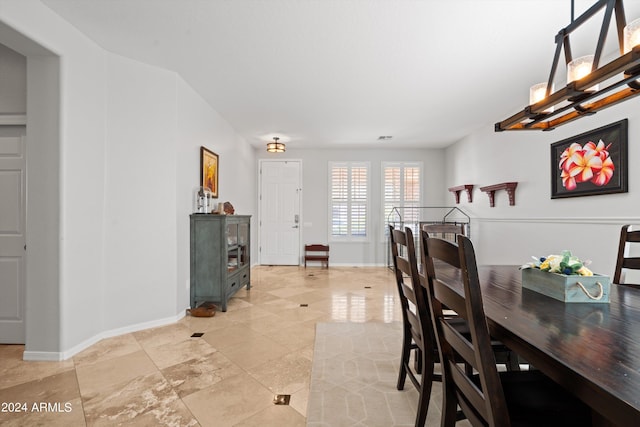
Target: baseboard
{"x":53,"y":356}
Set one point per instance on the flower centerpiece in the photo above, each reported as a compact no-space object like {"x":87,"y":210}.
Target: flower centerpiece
{"x":565,"y":277}
{"x":564,"y":264}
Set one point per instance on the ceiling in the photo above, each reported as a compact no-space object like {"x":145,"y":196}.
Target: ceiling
{"x":341,"y":73}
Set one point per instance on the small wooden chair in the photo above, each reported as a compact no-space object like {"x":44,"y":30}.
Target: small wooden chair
{"x":624,"y":262}
{"x":316,"y":252}
{"x":486,"y":397}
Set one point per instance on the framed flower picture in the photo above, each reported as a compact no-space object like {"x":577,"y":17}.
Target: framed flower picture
{"x":591,"y":163}
{"x":209,"y":166}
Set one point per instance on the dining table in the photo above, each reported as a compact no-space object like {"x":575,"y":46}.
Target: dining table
{"x":592,"y":349}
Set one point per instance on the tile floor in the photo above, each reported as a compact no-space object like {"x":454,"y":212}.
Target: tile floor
{"x":262,"y":346}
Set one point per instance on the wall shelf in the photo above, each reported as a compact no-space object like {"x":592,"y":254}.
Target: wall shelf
{"x":510,"y":187}
{"x":457,"y":189}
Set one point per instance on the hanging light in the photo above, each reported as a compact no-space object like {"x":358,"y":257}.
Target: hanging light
{"x":276,"y":147}
{"x":631,"y":35}
{"x":583,"y":94}
{"x":538,"y":92}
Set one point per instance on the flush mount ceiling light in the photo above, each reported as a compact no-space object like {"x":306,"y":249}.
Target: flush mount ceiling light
{"x":275,"y":147}
{"x":589,"y":88}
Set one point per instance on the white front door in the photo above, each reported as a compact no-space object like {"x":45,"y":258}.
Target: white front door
{"x":280,"y":212}
{"x":12,"y":234}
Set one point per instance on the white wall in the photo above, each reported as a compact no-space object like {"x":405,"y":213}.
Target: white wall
{"x":199,"y":125}
{"x":113,"y":160}
{"x":537,"y":225}
{"x":315,"y":183}
{"x":13,"y":84}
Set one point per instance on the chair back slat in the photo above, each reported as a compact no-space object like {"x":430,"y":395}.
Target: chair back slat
{"x":633,"y":236}
{"x":449,"y":298}
{"x":459,"y":343}
{"x":468,"y":392}
{"x":633,"y":263}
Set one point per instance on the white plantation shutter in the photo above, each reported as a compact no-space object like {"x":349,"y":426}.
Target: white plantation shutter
{"x":349,"y":184}
{"x":402,"y":187}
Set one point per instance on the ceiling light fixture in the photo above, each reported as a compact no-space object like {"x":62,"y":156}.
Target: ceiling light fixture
{"x":583,"y":95}
{"x":276,"y":147}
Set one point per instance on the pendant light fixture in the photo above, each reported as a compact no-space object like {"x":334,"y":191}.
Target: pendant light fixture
{"x":590,"y":88}
{"x":275,"y":146}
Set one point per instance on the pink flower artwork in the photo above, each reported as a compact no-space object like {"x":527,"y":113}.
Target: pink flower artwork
{"x":588,"y":163}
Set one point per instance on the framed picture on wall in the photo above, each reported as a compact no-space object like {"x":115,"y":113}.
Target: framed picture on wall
{"x":591,"y":163}
{"x":209,"y":165}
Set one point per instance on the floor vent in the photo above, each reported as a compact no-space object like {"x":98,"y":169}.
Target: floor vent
{"x":281,"y":399}
{"x":197,"y":334}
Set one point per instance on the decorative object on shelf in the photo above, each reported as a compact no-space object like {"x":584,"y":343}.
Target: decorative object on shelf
{"x":275,"y":146}
{"x":565,"y":278}
{"x":457,"y":189}
{"x":591,"y":163}
{"x":209,"y":166}
{"x":228,"y":208}
{"x":582,"y":94}
{"x":510,"y":188}
{"x":202,"y":201}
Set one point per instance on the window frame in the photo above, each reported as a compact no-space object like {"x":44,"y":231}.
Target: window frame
{"x":349,"y":237}
{"x":403,"y":165}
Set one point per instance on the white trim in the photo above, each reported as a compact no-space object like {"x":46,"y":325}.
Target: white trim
{"x":564,"y":220}
{"x":53,"y":356}
{"x":13,"y":119}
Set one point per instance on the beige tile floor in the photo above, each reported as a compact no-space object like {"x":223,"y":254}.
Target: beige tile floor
{"x":263,"y":345}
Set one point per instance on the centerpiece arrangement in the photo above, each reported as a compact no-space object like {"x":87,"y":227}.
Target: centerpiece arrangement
{"x":565,"y":277}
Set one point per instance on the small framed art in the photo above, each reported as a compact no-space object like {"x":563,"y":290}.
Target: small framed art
{"x":209,"y":166}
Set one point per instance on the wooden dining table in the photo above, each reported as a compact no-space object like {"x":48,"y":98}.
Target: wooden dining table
{"x":592,"y":349}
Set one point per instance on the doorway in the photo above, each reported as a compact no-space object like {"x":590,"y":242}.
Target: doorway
{"x":279,"y":214}
{"x":12,"y":233}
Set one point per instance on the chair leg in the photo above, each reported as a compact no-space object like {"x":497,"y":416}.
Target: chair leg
{"x":404,"y":359}
{"x":425,"y":390}
{"x":449,"y":406}
{"x":417,"y":365}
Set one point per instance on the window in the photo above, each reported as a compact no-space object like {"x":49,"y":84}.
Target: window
{"x":349,"y":191}
{"x":402,"y":188}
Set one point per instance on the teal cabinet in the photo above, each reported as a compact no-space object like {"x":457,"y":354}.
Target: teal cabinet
{"x":220,"y":257}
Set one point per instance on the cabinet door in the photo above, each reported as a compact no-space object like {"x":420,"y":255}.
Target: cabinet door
{"x":243,"y":243}
{"x":206,"y":249}
{"x":233,"y":251}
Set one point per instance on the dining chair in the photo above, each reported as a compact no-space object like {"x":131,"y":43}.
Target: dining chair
{"x":417,"y":331}
{"x":486,"y":397}
{"x":626,"y":262}
{"x":418,"y":334}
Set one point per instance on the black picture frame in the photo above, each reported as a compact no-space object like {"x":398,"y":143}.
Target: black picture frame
{"x":574,"y":168}
{"x":209,"y":167}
